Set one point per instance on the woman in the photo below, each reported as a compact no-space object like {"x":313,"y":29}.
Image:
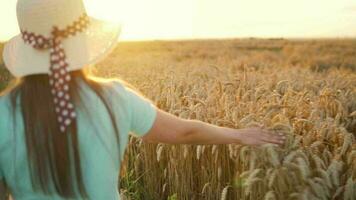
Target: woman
{"x":63,"y":131}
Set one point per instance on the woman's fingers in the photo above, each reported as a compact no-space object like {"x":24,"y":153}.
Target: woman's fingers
{"x":275,"y":141}
{"x":263,"y":136}
{"x":273,"y":138}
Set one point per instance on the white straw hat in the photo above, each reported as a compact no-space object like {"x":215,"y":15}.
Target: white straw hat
{"x":57,"y":36}
{"x":39,"y":17}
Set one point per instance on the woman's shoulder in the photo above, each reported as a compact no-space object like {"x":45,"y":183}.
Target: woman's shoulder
{"x":117,"y":86}
{"x":111,"y":83}
{"x":116,"y":91}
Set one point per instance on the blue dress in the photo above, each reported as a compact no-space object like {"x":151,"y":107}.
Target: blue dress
{"x":98,"y":145}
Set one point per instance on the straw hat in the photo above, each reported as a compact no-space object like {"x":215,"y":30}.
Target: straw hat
{"x":57,"y":36}
{"x":39,"y":17}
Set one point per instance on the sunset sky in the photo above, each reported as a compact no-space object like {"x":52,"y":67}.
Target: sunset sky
{"x":182,"y":19}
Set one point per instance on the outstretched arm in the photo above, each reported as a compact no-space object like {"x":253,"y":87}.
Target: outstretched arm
{"x":170,"y":129}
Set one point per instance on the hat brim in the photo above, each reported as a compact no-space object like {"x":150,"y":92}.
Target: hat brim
{"x":83,"y":49}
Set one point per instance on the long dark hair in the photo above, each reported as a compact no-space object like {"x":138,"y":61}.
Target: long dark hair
{"x":51,"y":152}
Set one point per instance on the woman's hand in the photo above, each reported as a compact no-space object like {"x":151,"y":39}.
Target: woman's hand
{"x":255,"y":136}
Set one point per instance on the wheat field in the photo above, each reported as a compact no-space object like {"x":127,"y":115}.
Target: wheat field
{"x":303,"y":88}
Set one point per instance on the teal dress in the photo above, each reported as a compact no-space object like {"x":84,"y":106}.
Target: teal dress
{"x":99,"y":150}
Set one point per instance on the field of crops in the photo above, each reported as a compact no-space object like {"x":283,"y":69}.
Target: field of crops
{"x":306,"y":89}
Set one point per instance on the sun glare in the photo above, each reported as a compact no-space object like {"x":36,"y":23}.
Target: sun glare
{"x":146,"y":19}
{"x":181,"y":19}
{"x":113,"y":10}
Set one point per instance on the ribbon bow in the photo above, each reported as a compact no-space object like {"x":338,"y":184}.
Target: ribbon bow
{"x":59,"y":76}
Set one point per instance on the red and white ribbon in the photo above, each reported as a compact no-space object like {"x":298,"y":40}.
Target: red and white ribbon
{"x":59,"y":76}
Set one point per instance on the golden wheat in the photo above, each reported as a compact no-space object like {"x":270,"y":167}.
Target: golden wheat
{"x":289,"y":86}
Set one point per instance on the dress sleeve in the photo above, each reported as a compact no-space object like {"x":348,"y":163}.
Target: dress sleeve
{"x":143,"y":113}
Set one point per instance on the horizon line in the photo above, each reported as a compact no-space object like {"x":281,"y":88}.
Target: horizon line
{"x":232,"y":38}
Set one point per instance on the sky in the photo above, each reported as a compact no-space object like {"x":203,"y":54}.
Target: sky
{"x":191,"y":19}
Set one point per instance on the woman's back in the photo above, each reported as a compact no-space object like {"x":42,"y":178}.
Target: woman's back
{"x":99,"y":151}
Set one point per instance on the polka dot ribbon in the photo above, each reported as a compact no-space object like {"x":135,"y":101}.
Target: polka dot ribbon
{"x":59,"y":76}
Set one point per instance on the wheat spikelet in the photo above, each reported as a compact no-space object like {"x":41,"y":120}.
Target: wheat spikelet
{"x":249,"y":183}
{"x":137,"y":163}
{"x":203,"y":149}
{"x":272,"y":178}
{"x":219,"y":173}
{"x":327,"y":155}
{"x":252,"y":178}
{"x":289,"y":158}
{"x":270,"y":195}
{"x":247,"y":118}
{"x":198,"y":152}
{"x":206,"y":185}
{"x":224,"y":193}
{"x":244,"y":150}
{"x":303,"y":168}
{"x":311,"y":195}
{"x":165,"y":172}
{"x":280,"y":127}
{"x":353,"y":114}
{"x":333,"y":171}
{"x":214,"y":148}
{"x":268,"y":171}
{"x":296,"y":142}
{"x":231,"y":151}
{"x":216,"y":157}
{"x":123,"y":196}
{"x":351,"y":157}
{"x":316,"y":144}
{"x":347,"y":143}
{"x":254,"y":173}
{"x":273,"y":156}
{"x":316,"y":188}
{"x":282,"y":86}
{"x":173,"y":150}
{"x":253,"y":160}
{"x":185,"y":151}
{"x":303,"y":155}
{"x":294,"y":195}
{"x":338,"y":192}
{"x":318,"y":162}
{"x":350,"y":189}
{"x":325,"y":176}
{"x":324,"y":186}
{"x":131,"y":140}
{"x":164,"y":188}
{"x":245,"y":174}
{"x":159,"y":152}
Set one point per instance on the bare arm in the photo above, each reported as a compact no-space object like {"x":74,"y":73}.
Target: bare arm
{"x":170,"y":129}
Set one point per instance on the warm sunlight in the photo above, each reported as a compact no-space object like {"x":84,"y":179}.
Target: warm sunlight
{"x":147,"y":19}
{"x":188,"y":99}
{"x":172,"y":19}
